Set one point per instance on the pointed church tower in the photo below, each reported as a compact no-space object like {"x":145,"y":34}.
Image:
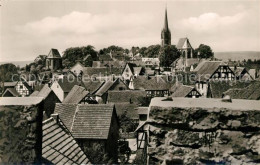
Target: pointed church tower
{"x":166,"y":33}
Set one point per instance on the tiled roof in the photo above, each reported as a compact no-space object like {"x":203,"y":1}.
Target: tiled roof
{"x":89,"y":71}
{"x":66,"y":113}
{"x":20,"y":100}
{"x":137,"y":70}
{"x":125,"y":96}
{"x":150,"y":83}
{"x":206,"y":69}
{"x":107,"y":86}
{"x":217,"y":88}
{"x":182,"y":91}
{"x":59,"y":146}
{"x":12,"y":91}
{"x":93,"y":121}
{"x":181,"y":43}
{"x":45,"y":91}
{"x":116,"y":64}
{"x":89,"y":121}
{"x":104,"y":88}
{"x":54,"y":53}
{"x":76,"y":94}
{"x":238,"y":70}
{"x":251,"y":92}
{"x":93,"y":85}
{"x":130,"y":110}
{"x":67,"y":84}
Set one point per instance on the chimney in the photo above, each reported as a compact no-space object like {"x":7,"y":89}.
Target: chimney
{"x":227,"y":98}
{"x":55,"y":117}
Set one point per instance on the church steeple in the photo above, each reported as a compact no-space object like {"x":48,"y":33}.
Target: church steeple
{"x":165,"y":21}
{"x":166,"y":33}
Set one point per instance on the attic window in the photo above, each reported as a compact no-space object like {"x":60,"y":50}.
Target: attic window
{"x":21,"y":87}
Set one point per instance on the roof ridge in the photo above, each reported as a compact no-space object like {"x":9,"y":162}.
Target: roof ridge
{"x":74,"y":116}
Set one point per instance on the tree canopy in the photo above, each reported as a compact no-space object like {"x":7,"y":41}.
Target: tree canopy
{"x":110,"y":48}
{"x":7,"y":71}
{"x":152,"y":51}
{"x":168,"y":54}
{"x":74,"y":54}
{"x":204,"y":51}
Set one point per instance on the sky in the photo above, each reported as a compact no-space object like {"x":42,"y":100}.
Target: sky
{"x":31,"y":28}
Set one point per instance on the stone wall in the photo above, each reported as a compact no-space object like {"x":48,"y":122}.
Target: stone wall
{"x":203,"y":136}
{"x":20,"y":134}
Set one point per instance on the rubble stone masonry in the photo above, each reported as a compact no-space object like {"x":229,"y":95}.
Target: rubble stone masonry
{"x":20,"y":134}
{"x":203,"y":136}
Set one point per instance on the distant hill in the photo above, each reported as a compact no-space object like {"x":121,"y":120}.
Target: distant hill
{"x":20,"y":63}
{"x":237,"y":55}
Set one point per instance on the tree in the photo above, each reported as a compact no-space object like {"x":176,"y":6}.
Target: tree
{"x":152,"y":51}
{"x":204,"y":51}
{"x":168,"y":54}
{"x":74,"y":54}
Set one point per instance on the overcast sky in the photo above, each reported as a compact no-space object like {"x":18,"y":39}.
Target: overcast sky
{"x":30,"y":28}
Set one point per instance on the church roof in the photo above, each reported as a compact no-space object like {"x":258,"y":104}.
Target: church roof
{"x":54,"y":53}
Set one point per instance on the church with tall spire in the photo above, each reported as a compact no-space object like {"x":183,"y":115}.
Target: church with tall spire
{"x":166,"y":33}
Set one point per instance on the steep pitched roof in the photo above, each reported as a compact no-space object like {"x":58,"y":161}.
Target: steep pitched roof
{"x":108,"y":85}
{"x":150,"y":83}
{"x":97,"y":121}
{"x":125,"y":96}
{"x":59,"y":146}
{"x":251,"y":92}
{"x":237,"y":70}
{"x":66,"y":113}
{"x":105,"y":71}
{"x":137,"y":70}
{"x":12,"y":91}
{"x":104,"y":88}
{"x":44,"y":92}
{"x":89,"y":121}
{"x":217,"y":88}
{"x":67,"y":84}
{"x":182,"y":91}
{"x":76,"y":94}
{"x":206,"y":69}
{"x":181,"y":43}
{"x":130,"y":110}
{"x":92,"y":86}
{"x":54,"y":53}
{"x":131,"y":66}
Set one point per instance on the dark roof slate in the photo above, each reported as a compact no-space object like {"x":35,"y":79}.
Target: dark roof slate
{"x":76,"y":94}
{"x":59,"y":146}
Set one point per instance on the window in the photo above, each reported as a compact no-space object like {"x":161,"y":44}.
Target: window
{"x":127,"y":70}
{"x":21,"y":86}
{"x":121,"y":88}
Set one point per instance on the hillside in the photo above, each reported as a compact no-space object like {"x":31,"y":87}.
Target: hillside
{"x":237,"y":55}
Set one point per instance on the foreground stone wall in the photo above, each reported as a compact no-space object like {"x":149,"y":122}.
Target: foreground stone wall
{"x":203,"y":136}
{"x":20,"y":134}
